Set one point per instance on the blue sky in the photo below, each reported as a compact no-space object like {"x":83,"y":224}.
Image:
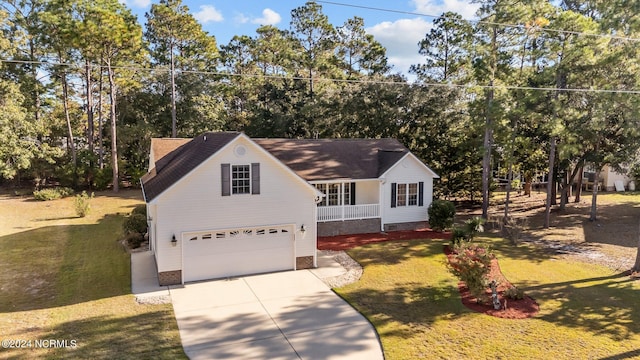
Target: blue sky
{"x":399,"y":33}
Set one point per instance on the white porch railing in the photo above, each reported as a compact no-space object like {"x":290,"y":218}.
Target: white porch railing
{"x":348,"y":212}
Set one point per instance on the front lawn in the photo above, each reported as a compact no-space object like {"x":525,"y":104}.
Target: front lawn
{"x":586,"y":310}
{"x":67,"y":278}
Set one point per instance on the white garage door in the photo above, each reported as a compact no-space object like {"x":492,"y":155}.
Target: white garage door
{"x":216,"y":254}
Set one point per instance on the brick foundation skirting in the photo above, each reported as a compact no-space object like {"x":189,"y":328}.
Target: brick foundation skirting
{"x":170,"y":277}
{"x":304,"y":262}
{"x":414,"y":225}
{"x":348,"y":227}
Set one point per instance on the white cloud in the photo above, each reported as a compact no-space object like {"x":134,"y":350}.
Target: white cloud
{"x":240,"y":19}
{"x":136,"y":3}
{"x":207,"y":13}
{"x":437,"y":7}
{"x":269,"y":17}
{"x":401,"y":38}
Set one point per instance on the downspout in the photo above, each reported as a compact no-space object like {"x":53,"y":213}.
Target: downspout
{"x":381,"y":203}
{"x":318,"y":199}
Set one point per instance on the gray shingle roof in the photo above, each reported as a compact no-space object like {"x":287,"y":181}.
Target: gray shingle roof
{"x":331,"y":159}
{"x":180,"y":161}
{"x":321,"y":159}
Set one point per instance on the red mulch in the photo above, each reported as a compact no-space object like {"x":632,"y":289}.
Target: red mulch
{"x":515,"y":309}
{"x":346,"y":242}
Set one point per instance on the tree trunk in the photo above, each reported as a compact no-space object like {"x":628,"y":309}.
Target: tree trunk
{"x":636,"y":266}
{"x":579,"y":186}
{"x":71,"y":141}
{"x":528,"y":182}
{"x":174,"y":121}
{"x":90,"y":124}
{"x":488,"y":131}
{"x":112,"y":116}
{"x":552,"y":156}
{"x":594,"y":198}
{"x":100,"y":124}
{"x":508,"y":197}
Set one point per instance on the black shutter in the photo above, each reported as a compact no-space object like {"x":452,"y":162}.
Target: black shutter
{"x":225,"y":169}
{"x":352,"y":194}
{"x":393,"y":195}
{"x":421,"y":193}
{"x":255,"y":178}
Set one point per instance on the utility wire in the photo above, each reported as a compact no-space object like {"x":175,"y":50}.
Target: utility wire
{"x":484,"y":22}
{"x":350,"y":81}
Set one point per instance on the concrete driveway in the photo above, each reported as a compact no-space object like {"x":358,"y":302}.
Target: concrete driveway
{"x":286,"y":315}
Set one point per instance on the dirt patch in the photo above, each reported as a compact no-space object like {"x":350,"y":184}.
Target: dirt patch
{"x":510,"y":308}
{"x":346,"y":242}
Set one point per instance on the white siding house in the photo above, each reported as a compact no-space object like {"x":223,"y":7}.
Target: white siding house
{"x":223,"y":205}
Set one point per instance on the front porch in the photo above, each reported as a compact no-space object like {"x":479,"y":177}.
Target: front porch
{"x":348,"y":212}
{"x":348,"y":200}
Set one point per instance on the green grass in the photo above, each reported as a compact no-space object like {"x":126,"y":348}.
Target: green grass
{"x":68,"y":278}
{"x":586,"y":311}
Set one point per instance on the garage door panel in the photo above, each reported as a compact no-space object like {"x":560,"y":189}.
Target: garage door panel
{"x":214,"y":246}
{"x":237,"y":252}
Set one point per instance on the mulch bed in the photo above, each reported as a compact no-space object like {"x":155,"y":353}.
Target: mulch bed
{"x":346,"y":242}
{"x":515,"y":309}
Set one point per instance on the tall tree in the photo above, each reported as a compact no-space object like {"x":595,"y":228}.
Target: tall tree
{"x":177,"y":40}
{"x":318,"y":40}
{"x":446,"y":49}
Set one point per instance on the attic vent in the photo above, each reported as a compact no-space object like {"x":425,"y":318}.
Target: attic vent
{"x":240,"y":150}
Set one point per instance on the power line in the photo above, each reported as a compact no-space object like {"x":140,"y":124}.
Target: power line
{"x":349,"y":81}
{"x":484,"y":22}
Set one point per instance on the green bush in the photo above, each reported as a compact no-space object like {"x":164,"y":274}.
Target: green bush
{"x":102,"y":178}
{"x":135,"y":224}
{"x":458,"y":234}
{"x":514,"y":293}
{"x":473,"y":226}
{"x":512,"y":229}
{"x":82,"y":204}
{"x":52,"y":193}
{"x":135,"y":240}
{"x":441,"y":215}
{"x":472,"y":264}
{"x":140,"y":209}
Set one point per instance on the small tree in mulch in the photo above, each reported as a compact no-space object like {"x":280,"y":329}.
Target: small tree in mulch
{"x":471,"y":263}
{"x":468,"y":231}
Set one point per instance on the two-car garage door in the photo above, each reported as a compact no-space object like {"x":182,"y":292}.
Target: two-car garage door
{"x":225,"y":253}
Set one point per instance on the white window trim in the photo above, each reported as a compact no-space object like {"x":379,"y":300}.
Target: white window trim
{"x":249,"y":178}
{"x":406,"y":194}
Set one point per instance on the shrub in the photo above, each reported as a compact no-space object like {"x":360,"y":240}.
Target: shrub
{"x":514,"y":293}
{"x":135,"y":224}
{"x":102,"y":178}
{"x":52,"y":194}
{"x":441,"y":214}
{"x":458,"y":234}
{"x":140,"y":209}
{"x":512,"y":229}
{"x":472,"y":264}
{"x":135,"y":240}
{"x":473,"y":226}
{"x":82,"y":204}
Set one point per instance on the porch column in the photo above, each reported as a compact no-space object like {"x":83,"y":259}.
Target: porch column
{"x":342,"y":199}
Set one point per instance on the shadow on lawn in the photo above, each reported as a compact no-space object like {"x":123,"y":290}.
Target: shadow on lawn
{"x":606,"y":307}
{"x":617,"y":224}
{"x":414,"y":305}
{"x":63,"y":265}
{"x":126,"y":337}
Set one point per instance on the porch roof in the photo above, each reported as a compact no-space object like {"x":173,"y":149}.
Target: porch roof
{"x":331,"y":159}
